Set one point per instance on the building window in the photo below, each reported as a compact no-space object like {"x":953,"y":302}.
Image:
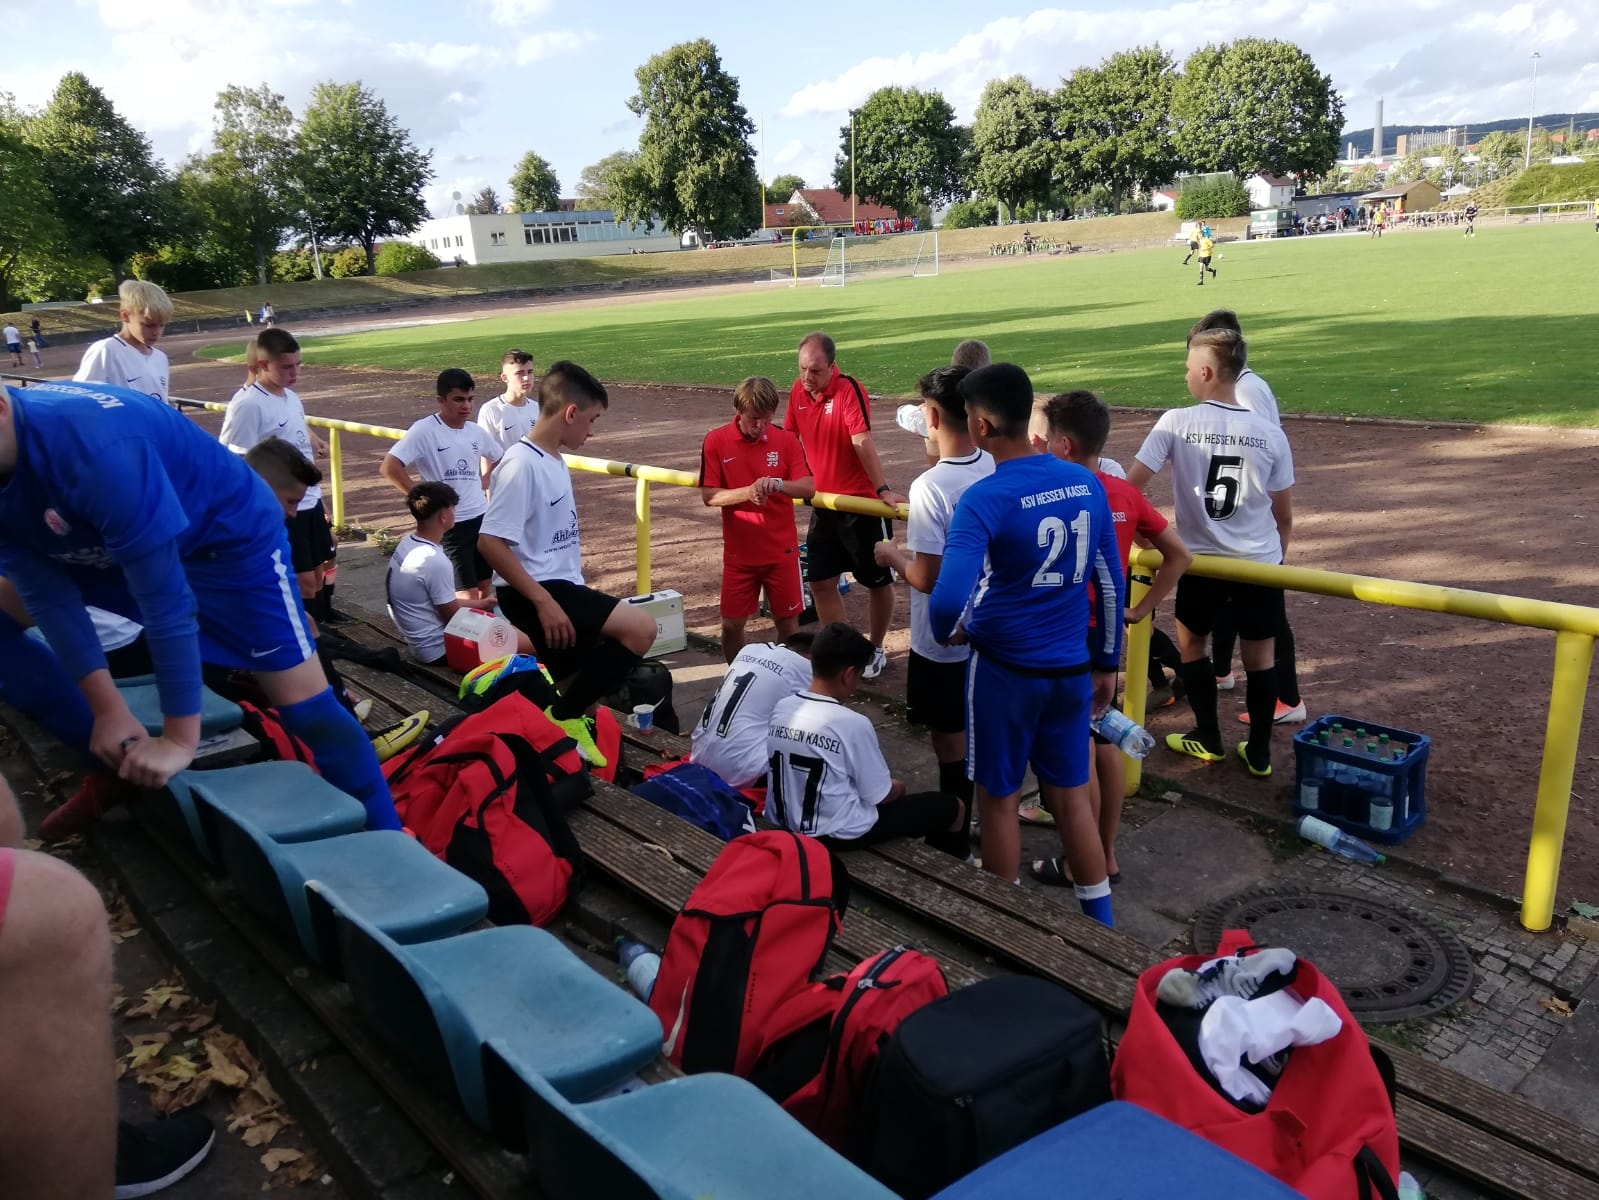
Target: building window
{"x":496,"y":239}
{"x":527,"y":235}
{"x":458,"y":241}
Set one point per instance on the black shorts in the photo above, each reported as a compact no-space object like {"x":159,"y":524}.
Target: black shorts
{"x":130,"y":661}
{"x":840,"y":541}
{"x":460,"y":543}
{"x":919,"y":814}
{"x":587,"y":609}
{"x":935,"y":694}
{"x":1204,"y":260}
{"x":1258,"y":612}
{"x":310,"y":539}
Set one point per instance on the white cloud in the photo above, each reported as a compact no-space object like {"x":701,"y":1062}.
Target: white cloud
{"x":793,"y":152}
{"x":543,"y":45}
{"x":516,"y":12}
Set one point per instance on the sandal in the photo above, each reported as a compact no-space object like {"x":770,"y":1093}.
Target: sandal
{"x":1052,"y":873}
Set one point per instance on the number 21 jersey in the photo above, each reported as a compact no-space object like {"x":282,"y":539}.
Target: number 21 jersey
{"x":1226,"y":462}
{"x":731,"y":737}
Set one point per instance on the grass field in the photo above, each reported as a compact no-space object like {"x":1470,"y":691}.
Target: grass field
{"x":1427,"y":325}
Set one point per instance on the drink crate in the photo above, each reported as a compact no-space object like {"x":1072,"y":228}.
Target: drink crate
{"x":1351,"y":778}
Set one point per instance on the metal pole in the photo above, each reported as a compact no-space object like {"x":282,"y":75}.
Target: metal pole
{"x":336,"y":477}
{"x":1135,"y":691}
{"x":852,"y":191}
{"x":1573,"y":661}
{"x":1534,"y":112}
{"x":641,"y":530}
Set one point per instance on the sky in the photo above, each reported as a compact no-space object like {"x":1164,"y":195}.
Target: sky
{"x":479,"y":82}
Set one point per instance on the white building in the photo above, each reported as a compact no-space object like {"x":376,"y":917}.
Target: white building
{"x":1163,"y":199}
{"x":524,"y":237}
{"x":1269,"y":191}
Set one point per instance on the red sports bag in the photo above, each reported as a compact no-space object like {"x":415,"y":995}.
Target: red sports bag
{"x":751,"y":935}
{"x":267,"y":727}
{"x":1328,"y":1130}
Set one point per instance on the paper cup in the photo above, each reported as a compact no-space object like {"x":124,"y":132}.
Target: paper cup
{"x":644,"y":716}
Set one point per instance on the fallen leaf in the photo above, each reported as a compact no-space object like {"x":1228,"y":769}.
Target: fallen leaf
{"x":180,"y":1067}
{"x":147,"y":1048}
{"x":222,"y":1068}
{"x":273,"y":1159}
{"x":262,"y":1133}
{"x":168,"y":993}
{"x":205,"y":1015}
{"x":168,"y":1100}
{"x":1561,"y":1008}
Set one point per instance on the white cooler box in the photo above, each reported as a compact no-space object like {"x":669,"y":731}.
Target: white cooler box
{"x":667,"y":609}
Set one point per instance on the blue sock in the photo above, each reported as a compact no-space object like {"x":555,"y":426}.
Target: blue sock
{"x":32,"y":679}
{"x":343,"y":754}
{"x":1094,"y":900}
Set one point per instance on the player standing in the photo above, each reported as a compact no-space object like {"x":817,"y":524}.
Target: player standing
{"x":509,"y":416}
{"x":1471,"y":218}
{"x":129,"y":358}
{"x":1207,"y":247}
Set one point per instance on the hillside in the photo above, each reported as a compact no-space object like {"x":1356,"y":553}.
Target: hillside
{"x":1476,"y":129}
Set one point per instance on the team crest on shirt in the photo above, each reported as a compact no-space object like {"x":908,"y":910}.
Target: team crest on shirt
{"x":771,"y":458}
{"x":55,"y":523}
{"x":827,"y":407}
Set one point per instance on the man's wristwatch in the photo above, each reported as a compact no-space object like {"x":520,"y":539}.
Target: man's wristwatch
{"x":883,"y":487}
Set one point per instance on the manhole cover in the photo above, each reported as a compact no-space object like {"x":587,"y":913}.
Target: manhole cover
{"x":1389,"y":964}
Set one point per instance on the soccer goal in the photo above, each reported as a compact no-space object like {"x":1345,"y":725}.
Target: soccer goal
{"x":905,"y":254}
{"x":833,"y":269}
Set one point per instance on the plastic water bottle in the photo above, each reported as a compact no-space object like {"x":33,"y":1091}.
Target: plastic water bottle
{"x":1117,"y":728}
{"x":911,"y":419}
{"x":641,"y":964}
{"x":1313,"y":829}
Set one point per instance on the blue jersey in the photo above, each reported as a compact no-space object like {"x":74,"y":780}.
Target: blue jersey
{"x":1023,"y":545}
{"x":114,"y":491}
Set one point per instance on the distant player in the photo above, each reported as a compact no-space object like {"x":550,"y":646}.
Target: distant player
{"x":13,"y":337}
{"x":1232,"y":479}
{"x":731,"y":736}
{"x":1207,"y":247}
{"x":1193,"y":243}
{"x":1471,"y":218}
{"x":1023,"y":544}
{"x":509,"y":416}
{"x":754,"y":470}
{"x":1379,"y":219}
{"x":129,"y":358}
{"x":449,"y":447}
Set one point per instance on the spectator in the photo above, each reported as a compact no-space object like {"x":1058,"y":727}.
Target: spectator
{"x":130,"y":358}
{"x":38,"y":334}
{"x":13,"y":340}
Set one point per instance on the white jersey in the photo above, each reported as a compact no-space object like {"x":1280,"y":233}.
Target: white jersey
{"x":534,"y":511}
{"x":933,"y":496}
{"x":731,"y":737}
{"x":826,"y":774}
{"x":507,"y":423}
{"x":420,"y":578}
{"x":1226,"y":463}
{"x":1255,"y":394}
{"x":112,"y":360}
{"x":439,"y":453}
{"x":255,"y":414}
{"x":13,"y":338}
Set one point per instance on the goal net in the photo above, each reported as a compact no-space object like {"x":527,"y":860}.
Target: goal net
{"x":902,"y":254}
{"x":833,"y":269}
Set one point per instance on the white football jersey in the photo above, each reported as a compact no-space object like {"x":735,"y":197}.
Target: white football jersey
{"x":438,"y":453}
{"x":826,"y":774}
{"x":507,"y":423}
{"x":933,"y":496}
{"x":1226,"y":462}
{"x":1255,"y":394}
{"x":255,"y":414}
{"x":731,"y":737}
{"x":111,"y":360}
{"x":534,"y":511}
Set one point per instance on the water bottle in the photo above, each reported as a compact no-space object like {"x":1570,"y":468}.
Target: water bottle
{"x":1313,"y":829}
{"x":641,"y":964}
{"x":1120,"y":730}
{"x":912,"y":419}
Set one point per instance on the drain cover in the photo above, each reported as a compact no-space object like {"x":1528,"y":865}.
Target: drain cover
{"x":1389,"y":963}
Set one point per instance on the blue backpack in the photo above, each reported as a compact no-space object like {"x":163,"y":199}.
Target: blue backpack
{"x":701,"y":797}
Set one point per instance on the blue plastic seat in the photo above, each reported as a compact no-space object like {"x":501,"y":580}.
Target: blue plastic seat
{"x":217,"y":716}
{"x":436,"y":1004}
{"x":1119,"y":1151}
{"x":383,"y":875}
{"x":287,"y":801}
{"x":699,"y":1136}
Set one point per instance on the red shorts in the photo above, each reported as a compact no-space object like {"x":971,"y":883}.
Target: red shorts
{"x":742,"y":584}
{"x":8,"y":861}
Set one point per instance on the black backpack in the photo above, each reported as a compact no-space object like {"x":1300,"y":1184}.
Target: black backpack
{"x":968,"y":1077}
{"x":648,"y":683}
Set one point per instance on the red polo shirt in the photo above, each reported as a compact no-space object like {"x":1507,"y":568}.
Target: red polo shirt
{"x":826,"y":427}
{"x":753,"y":535}
{"x":1132,"y":515}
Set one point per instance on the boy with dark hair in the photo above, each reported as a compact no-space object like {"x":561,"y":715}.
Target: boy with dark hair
{"x":509,"y":416}
{"x":1232,"y":479}
{"x":935,"y":674}
{"x":754,"y":470}
{"x":826,"y":776}
{"x":587,"y":639}
{"x":290,"y":474}
{"x":449,"y":447}
{"x":731,"y":736}
{"x":1022,"y":544}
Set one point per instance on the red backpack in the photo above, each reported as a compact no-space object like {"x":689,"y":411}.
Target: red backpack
{"x":267,"y":727}
{"x":751,"y":935}
{"x":490,"y":797}
{"x":822,"y":1044}
{"x":1328,"y":1130}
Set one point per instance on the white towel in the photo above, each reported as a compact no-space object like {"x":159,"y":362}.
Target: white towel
{"x":1233,"y":1030}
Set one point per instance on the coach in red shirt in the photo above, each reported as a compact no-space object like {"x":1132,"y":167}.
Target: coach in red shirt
{"x":833,"y":418}
{"x":754,"y":470}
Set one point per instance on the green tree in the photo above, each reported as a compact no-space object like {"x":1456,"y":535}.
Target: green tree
{"x":293,"y":266}
{"x":484,"y":204}
{"x":695,"y":167}
{"x":597,"y":181}
{"x":1210,"y":198}
{"x":398,"y":257}
{"x":1366,"y":178}
{"x":1115,"y":123}
{"x":1013,"y":142}
{"x":252,"y":171}
{"x":534,"y":187}
{"x":909,"y":150}
{"x":362,"y":177}
{"x":107,"y":187}
{"x":971,"y":214}
{"x":1454,"y":164}
{"x":1501,"y":152}
{"x":1256,"y":105}
{"x":32,"y":234}
{"x":348,"y":263}
{"x":1407,"y":169}
{"x":783,"y":187}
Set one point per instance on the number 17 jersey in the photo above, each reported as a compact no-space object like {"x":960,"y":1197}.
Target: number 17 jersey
{"x":1226,"y":462}
{"x":731,"y":737}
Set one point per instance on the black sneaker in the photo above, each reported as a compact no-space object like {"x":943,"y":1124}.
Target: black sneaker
{"x":153,"y":1155}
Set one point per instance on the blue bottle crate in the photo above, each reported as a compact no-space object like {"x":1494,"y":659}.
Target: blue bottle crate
{"x":1403,"y":782}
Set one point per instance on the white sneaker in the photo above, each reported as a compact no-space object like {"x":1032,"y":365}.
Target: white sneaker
{"x":1226,"y":683}
{"x":876,"y":666}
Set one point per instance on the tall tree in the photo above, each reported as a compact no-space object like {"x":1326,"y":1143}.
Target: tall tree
{"x":695,"y":167}
{"x":362,"y":177}
{"x":783,"y":187}
{"x":251,"y":173}
{"x":485,"y":203}
{"x":908,"y":149}
{"x":1013,"y":142}
{"x":1501,"y":151}
{"x":31,"y":232}
{"x":107,"y":187}
{"x":1115,"y":123}
{"x":598,"y":180}
{"x":1256,"y":105}
{"x":534,"y":187}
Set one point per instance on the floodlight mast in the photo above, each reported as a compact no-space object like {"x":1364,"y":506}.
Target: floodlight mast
{"x":1532,"y":113}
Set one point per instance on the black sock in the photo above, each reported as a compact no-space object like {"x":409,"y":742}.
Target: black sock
{"x":1260,"y":696}
{"x":956,"y":842}
{"x":602,"y":673}
{"x":1287,"y":667}
{"x":335,"y":680}
{"x":1200,"y":681}
{"x":952,"y":781}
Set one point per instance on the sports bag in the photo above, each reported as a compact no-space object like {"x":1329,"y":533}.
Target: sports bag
{"x":1328,"y":1130}
{"x":751,"y":935}
{"x":267,"y":727}
{"x":970,"y":1076}
{"x":490,"y":798}
{"x":649,"y":682}
{"x":701,"y":797}
{"x":823,"y":1043}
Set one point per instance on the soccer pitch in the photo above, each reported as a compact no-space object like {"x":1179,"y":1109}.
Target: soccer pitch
{"x":1427,"y":325}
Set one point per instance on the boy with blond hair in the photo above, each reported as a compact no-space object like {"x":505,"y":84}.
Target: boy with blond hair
{"x":129,"y":358}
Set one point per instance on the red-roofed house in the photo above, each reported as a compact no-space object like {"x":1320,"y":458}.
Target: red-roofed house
{"x":1163,"y":199}
{"x":828,"y":206}
{"x":1269,"y":191}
